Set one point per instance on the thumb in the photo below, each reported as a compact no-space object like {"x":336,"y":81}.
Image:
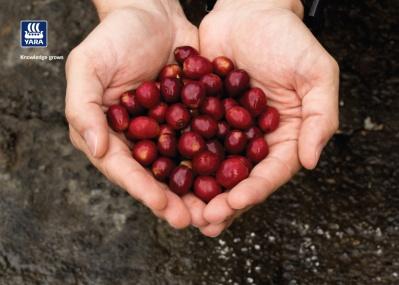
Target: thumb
{"x":83,"y":103}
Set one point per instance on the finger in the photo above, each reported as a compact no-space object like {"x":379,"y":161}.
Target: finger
{"x":83,"y":103}
{"x":275,"y":170}
{"x":196,"y":208}
{"x":218,"y":209}
{"x":176,"y":213}
{"x":119,"y":167}
{"x":213,"y":230}
{"x":319,"y":116}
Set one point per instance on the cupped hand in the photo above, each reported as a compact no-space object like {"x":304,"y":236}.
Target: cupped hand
{"x":130,"y":45}
{"x":269,"y":40}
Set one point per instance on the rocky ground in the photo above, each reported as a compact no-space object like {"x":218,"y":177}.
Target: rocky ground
{"x":61,"y":222}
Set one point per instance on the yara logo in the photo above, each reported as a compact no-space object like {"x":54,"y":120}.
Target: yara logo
{"x":33,"y":33}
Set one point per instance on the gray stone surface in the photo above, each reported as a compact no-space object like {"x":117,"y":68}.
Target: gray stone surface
{"x":61,"y":222}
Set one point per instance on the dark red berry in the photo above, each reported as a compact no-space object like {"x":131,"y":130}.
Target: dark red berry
{"x":148,"y":94}
{"x":129,"y":100}
{"x":244,"y":160}
{"x":253,"y":133}
{"x":145,"y":152}
{"x":236,"y":82}
{"x":205,"y":162}
{"x":254,"y":100}
{"x":238,"y":117}
{"x":223,"y":129}
{"x":183,"y":52}
{"x":192,"y":94}
{"x":158,"y":112}
{"x":213,"y":106}
{"x":118,"y":118}
{"x":181,"y":180}
{"x":206,"y":188}
{"x":171,"y":71}
{"x":257,"y":150}
{"x":143,"y":128}
{"x":269,"y":120}
{"x":235,"y":142}
{"x":222,"y":66}
{"x":231,"y":172}
{"x":228,"y":103}
{"x":215,"y":147}
{"x":213,"y":84}
{"x":170,"y":89}
{"x":190,"y":143}
{"x":196,"y":66}
{"x":204,"y":125}
{"x":162,"y":168}
{"x":177,"y":116}
{"x":166,"y":130}
{"x":167,"y":145}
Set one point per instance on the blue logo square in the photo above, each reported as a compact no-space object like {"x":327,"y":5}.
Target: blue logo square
{"x":34,"y":33}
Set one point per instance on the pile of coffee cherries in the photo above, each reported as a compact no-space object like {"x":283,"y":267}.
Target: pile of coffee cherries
{"x":200,"y":127}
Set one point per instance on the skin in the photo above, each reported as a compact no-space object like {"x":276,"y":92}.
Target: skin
{"x":299,"y":77}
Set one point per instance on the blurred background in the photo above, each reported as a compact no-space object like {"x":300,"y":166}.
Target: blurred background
{"x":61,"y":222}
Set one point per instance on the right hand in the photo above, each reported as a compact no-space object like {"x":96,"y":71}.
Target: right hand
{"x":130,"y":45}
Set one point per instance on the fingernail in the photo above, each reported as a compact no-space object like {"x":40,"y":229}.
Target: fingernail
{"x":91,"y":141}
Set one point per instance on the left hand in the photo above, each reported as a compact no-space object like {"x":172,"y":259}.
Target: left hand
{"x":269,"y":40}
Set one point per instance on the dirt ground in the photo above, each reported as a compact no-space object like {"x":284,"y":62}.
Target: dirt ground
{"x":61,"y":222}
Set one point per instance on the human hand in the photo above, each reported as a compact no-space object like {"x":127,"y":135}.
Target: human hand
{"x":132,"y":42}
{"x":269,"y":40}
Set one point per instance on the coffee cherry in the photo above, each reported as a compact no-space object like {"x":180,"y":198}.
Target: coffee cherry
{"x":257,"y":150}
{"x":213,"y":84}
{"x":196,"y":66}
{"x":205,"y":162}
{"x":254,"y":100}
{"x":158,"y":112}
{"x":162,"y":168}
{"x":236,"y":82}
{"x":206,"y":188}
{"x":222,"y":66}
{"x":181,"y":180}
{"x":170,"y":89}
{"x":193,"y":94}
{"x":118,"y":118}
{"x":167,"y":145}
{"x":228,"y":103}
{"x":235,"y":142}
{"x":204,"y":125}
{"x":145,"y":152}
{"x":171,"y":71}
{"x":143,"y":127}
{"x":183,"y":52}
{"x":253,"y":133}
{"x":268,"y":121}
{"x":148,"y":94}
{"x":190,"y":143}
{"x":213,"y":106}
{"x":223,"y":129}
{"x":129,"y":101}
{"x":238,"y":117}
{"x":215,"y":147}
{"x":177,"y":116}
{"x":231,"y":172}
{"x":166,"y":130}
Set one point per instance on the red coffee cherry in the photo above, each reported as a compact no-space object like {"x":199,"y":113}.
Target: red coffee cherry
{"x":181,"y":180}
{"x":170,"y":89}
{"x":205,"y":163}
{"x":206,"y":188}
{"x":257,"y":150}
{"x":171,"y":71}
{"x":254,"y":100}
{"x":177,"y":116}
{"x":196,"y":66}
{"x":129,"y":101}
{"x":145,"y":152}
{"x":235,"y":142}
{"x":222,"y":66}
{"x":269,"y":120}
{"x":148,"y":94}
{"x":183,"y":52}
{"x":193,"y":94}
{"x":167,"y":145}
{"x":143,"y":127}
{"x":213,"y":106}
{"x":118,"y":118}
{"x":238,"y":117}
{"x":162,"y":168}
{"x":158,"y":112}
{"x":231,"y":172}
{"x":253,"y":133}
{"x":190,"y":143}
{"x":204,"y":125}
{"x":236,"y":82}
{"x":212,"y":83}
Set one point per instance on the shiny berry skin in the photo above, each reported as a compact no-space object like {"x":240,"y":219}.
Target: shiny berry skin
{"x":244,"y":160}
{"x":257,"y":150}
{"x":181,"y":180}
{"x":145,"y":152}
{"x":222,"y":66}
{"x":196,"y":66}
{"x":206,"y":188}
{"x":269,"y":120}
{"x":142,"y":128}
{"x":148,"y":94}
{"x":205,"y":162}
{"x":177,"y":116}
{"x":235,"y":142}
{"x":223,"y":129}
{"x":190,"y":143}
{"x":204,"y":125}
{"x":212,"y":106}
{"x":170,"y":89}
{"x":253,"y":133}
{"x":228,"y":103}
{"x":158,"y":112}
{"x":129,"y":101}
{"x":167,"y":145}
{"x":166,"y":130}
{"x":171,"y":71}
{"x":254,"y":100}
{"x":215,"y":147}
{"x":238,"y":117}
{"x":213,"y":84}
{"x":162,"y":168}
{"x":236,"y":82}
{"x":231,"y":172}
{"x":118,"y":117}
{"x":183,"y":52}
{"x":192,"y":94}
